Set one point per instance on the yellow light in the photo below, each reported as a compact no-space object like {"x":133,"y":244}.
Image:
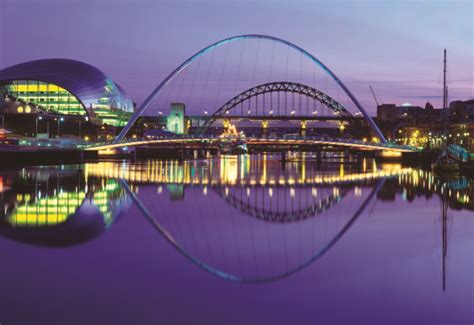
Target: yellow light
{"x":106,"y":152}
{"x":20,"y":109}
{"x":27,"y":109}
{"x":391,"y":154}
{"x":357,"y":191}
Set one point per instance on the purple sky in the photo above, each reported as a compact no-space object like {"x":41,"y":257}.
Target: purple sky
{"x":395,"y":46}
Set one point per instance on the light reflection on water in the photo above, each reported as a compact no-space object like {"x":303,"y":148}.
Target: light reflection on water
{"x":247,"y":219}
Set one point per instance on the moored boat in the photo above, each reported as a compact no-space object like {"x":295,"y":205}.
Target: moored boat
{"x":445,"y":165}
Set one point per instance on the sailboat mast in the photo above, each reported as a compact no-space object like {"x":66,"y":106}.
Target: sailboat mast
{"x":444,"y":234}
{"x":445,"y":94}
{"x":445,"y":105}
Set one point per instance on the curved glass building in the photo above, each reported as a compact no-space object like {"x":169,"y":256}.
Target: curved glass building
{"x":70,"y":87}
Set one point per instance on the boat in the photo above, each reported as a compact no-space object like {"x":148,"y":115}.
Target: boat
{"x":228,"y":146}
{"x":231,"y":142}
{"x":444,"y":165}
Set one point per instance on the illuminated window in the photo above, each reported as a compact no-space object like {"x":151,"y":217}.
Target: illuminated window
{"x":46,"y":94}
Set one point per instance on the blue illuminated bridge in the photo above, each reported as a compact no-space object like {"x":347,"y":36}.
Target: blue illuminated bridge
{"x":285,"y":100}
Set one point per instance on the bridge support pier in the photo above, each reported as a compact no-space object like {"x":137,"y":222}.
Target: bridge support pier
{"x":347,"y":155}
{"x":303,"y":128}
{"x":318,"y":157}
{"x":360,"y":161}
{"x":283,"y":158}
{"x":133,"y":155}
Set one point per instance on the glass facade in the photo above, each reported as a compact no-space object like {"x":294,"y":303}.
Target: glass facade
{"x":49,"y":97}
{"x":111,"y":107}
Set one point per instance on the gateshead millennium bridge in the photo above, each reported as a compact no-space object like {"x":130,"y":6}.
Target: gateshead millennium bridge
{"x":267,"y":102}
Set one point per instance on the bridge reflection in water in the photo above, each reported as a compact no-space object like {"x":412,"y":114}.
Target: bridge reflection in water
{"x":244,"y":218}
{"x":252,"y":221}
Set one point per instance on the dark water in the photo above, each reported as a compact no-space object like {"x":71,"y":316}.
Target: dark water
{"x":236,"y":240}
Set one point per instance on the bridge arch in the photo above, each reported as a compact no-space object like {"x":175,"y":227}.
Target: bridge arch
{"x":271,"y":87}
{"x":215,"y":45}
{"x":271,"y":213}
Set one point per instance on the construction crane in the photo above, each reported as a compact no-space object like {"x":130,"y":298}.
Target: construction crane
{"x":373,"y":94}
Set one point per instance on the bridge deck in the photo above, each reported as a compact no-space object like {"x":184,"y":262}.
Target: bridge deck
{"x":284,"y":141}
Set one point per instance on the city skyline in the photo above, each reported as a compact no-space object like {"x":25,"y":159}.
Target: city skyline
{"x":141,"y":51}
{"x":237,"y":162}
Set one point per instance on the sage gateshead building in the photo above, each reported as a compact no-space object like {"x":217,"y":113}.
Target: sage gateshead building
{"x":65,"y":87}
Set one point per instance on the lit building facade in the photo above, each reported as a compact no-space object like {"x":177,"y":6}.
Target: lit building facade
{"x":177,"y":122}
{"x":67,"y":87}
{"x":46,"y":96}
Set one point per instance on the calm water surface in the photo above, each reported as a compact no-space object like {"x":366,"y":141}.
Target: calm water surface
{"x":235,"y":240}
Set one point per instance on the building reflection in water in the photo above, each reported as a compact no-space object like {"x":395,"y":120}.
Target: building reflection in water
{"x":57,"y":205}
{"x":246,"y":218}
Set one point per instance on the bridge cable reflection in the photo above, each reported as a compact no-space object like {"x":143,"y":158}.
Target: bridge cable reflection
{"x":252,"y":279}
{"x":316,"y":207}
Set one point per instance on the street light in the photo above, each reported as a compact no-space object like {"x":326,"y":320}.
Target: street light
{"x":341,"y":129}
{"x":59,"y":121}
{"x":86,"y":118}
{"x":36,"y":124}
